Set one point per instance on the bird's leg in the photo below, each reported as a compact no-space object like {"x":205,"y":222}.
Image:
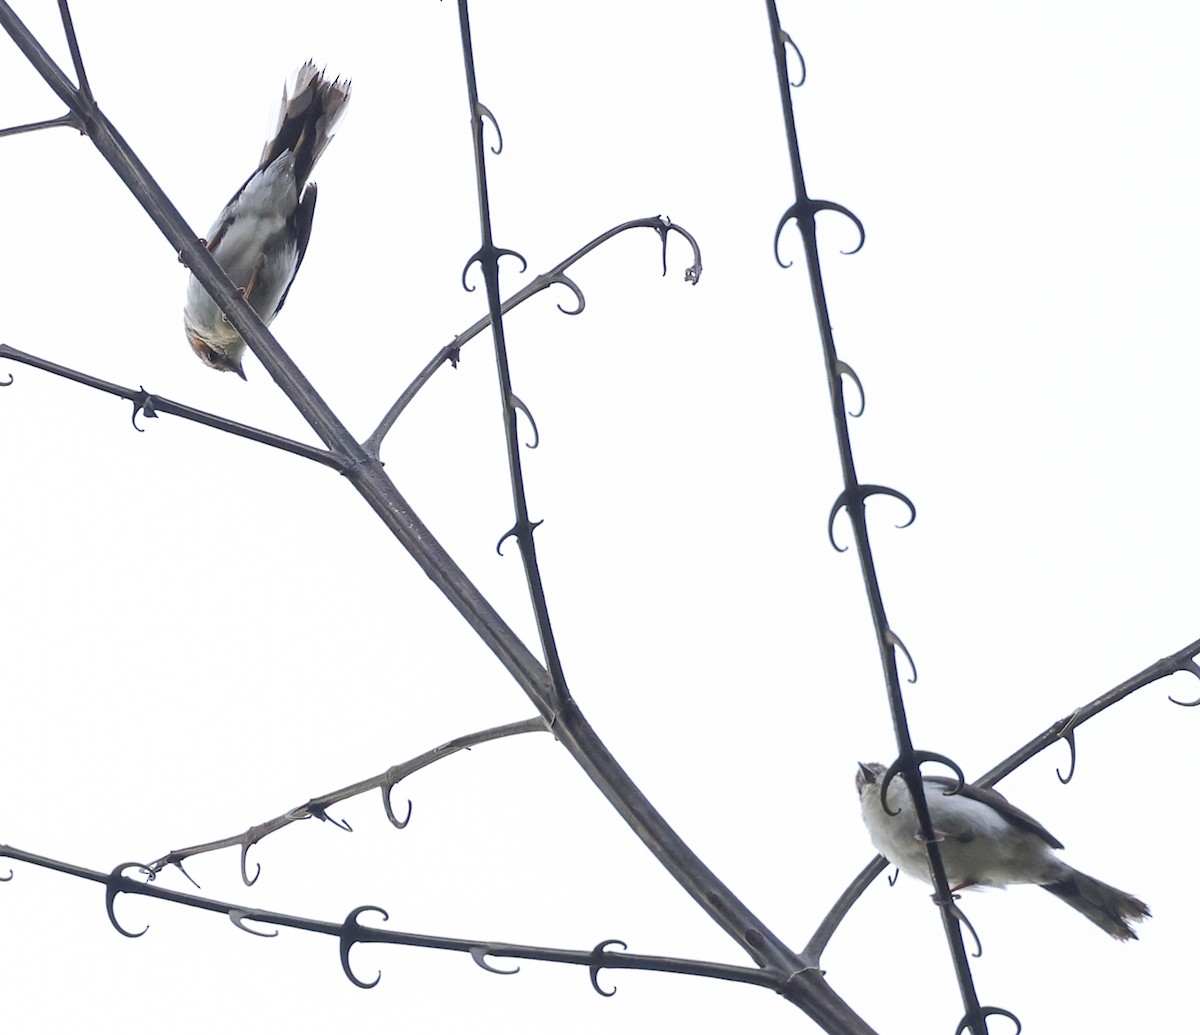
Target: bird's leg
{"x":259,"y":263}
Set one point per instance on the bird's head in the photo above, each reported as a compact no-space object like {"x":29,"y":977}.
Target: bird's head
{"x":216,"y":355}
{"x":869,"y":775}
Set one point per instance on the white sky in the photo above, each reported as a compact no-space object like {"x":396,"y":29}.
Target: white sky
{"x":200,"y":633}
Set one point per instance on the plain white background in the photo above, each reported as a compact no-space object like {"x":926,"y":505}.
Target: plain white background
{"x":200,"y":633}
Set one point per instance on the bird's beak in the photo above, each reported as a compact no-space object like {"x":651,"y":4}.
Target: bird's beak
{"x":237,"y":369}
{"x":868,"y":774}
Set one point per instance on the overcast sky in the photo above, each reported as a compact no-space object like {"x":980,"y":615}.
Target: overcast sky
{"x":200,"y":633}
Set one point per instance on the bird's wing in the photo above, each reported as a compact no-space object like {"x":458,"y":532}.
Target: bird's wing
{"x":1001,"y":804}
{"x":302,"y":224}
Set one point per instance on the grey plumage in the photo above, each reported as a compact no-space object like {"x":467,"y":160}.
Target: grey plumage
{"x":986,"y":841}
{"x":262,"y":234}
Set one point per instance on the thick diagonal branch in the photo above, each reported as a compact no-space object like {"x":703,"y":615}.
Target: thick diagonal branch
{"x":805,"y":985}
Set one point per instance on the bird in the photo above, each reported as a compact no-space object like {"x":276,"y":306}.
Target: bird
{"x":985,"y":841}
{"x":261,"y":236}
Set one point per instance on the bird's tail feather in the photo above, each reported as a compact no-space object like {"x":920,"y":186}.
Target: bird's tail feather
{"x":1105,"y":906}
{"x":311,"y":108}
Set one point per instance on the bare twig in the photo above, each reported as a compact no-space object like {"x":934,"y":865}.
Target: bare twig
{"x":557,"y":275}
{"x":350,"y":932}
{"x":152,"y":405}
{"x":488,"y":256}
{"x":853,"y":499}
{"x":32,"y":127}
{"x":319,"y":807}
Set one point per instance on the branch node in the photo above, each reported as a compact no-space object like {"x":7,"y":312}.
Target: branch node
{"x":598,"y":954}
{"x":116,"y":883}
{"x":350,"y":930}
{"x":518,"y":404}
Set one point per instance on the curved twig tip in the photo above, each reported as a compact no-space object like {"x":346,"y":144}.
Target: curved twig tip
{"x":246,"y":878}
{"x":888,"y":777}
{"x":1188,"y":666}
{"x":143,"y":402}
{"x":239,"y":918}
{"x":961,"y":917}
{"x":692,"y":274}
{"x":486,"y":113}
{"x":387,"y":808}
{"x":479,"y":954}
{"x":325,"y":817}
{"x":838,"y":504}
{"x":793,"y":212}
{"x":853,"y":498}
{"x":932,"y":756}
{"x":833,"y":206}
{"x":567,"y":282}
{"x":845,"y":370}
{"x":476,"y":257}
{"x":789,"y":42}
{"x":178,"y":864}
{"x":510,"y":534}
{"x":1070,"y":739}
{"x":895,"y":641}
{"x":501,"y":252}
{"x":896,"y":494}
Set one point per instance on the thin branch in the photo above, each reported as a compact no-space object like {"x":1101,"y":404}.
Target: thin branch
{"x":350,"y":932}
{"x":32,"y":127}
{"x":557,"y":275}
{"x":152,"y":405}
{"x":1181,"y":661}
{"x":85,"y":89}
{"x":319,"y":807}
{"x":488,"y":256}
{"x":853,"y":500}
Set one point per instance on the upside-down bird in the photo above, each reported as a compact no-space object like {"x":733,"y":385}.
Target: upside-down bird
{"x":260,"y":237}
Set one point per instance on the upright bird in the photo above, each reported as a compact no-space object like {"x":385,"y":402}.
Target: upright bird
{"x":985,"y":841}
{"x":260,"y":237}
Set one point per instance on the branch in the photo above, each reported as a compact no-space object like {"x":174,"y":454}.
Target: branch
{"x":319,"y":807}
{"x":853,"y":499}
{"x":488,"y":256}
{"x":152,"y":405}
{"x":350,"y":932}
{"x":661,"y":224}
{"x":805,"y":985}
{"x":32,"y":127}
